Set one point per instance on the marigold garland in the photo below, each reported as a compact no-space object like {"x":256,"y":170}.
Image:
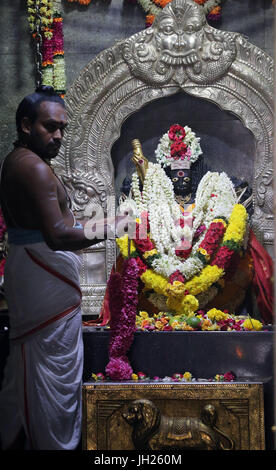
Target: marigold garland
{"x":49,"y":23}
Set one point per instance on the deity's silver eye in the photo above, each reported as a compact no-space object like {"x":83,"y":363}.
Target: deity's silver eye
{"x":187,"y":179}
{"x":174,"y":180}
{"x":167,"y":29}
{"x":190,"y":29}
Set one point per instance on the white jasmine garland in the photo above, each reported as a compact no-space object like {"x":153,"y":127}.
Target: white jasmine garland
{"x":163,"y":211}
{"x":215,"y":197}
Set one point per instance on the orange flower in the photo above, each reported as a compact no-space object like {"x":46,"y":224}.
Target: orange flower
{"x":186,"y":327}
{"x":144,"y":323}
{"x":215,"y":11}
{"x":200,"y":2}
{"x":149,"y":19}
{"x":46,"y":62}
{"x":206,"y":324}
{"x":161,"y":3}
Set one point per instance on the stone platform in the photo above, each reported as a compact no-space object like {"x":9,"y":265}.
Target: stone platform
{"x":204,"y":354}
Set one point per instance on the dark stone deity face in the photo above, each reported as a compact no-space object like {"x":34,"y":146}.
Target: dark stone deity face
{"x":181,"y":179}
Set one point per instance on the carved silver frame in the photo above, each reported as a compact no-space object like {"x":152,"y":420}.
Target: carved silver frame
{"x":111,"y":88}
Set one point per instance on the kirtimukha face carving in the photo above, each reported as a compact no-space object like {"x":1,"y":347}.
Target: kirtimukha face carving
{"x":179,"y":34}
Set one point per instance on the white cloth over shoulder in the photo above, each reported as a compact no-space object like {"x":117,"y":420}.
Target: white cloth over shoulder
{"x":43,"y":375}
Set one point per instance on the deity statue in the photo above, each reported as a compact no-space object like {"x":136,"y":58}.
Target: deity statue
{"x":193,"y":243}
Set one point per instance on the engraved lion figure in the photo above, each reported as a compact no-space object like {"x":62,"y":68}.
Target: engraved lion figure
{"x":155,"y":431}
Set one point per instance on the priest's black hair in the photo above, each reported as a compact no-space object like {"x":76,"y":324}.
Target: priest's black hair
{"x":29,"y":105}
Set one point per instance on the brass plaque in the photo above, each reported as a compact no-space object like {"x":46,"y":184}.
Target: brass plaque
{"x":173,"y":416}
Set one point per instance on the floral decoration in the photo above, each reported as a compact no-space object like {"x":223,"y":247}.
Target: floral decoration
{"x":176,"y":377}
{"x":45,"y":19}
{"x":123,"y":305}
{"x":172,"y":227}
{"x":210,"y":320}
{"x":180,"y":293}
{"x":216,"y":227}
{"x":179,"y":143}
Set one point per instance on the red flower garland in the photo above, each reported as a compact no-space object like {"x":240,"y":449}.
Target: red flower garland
{"x":223,"y":258}
{"x":212,"y":238}
{"x":123,"y":301}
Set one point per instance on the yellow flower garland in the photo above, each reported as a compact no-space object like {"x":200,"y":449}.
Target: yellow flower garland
{"x":237,"y":224}
{"x":209,"y":275}
{"x":155,"y":282}
{"x":122,"y":243}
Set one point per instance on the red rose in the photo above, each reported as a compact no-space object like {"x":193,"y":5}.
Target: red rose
{"x":176,"y":132}
{"x":178,"y":149}
{"x":177,"y":276}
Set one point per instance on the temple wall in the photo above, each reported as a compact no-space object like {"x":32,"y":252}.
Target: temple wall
{"x":90,"y":29}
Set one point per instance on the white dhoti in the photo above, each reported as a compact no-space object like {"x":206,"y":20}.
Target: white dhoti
{"x":42,"y":383}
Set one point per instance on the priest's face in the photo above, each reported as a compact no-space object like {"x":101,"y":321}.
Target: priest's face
{"x":45,"y":133}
